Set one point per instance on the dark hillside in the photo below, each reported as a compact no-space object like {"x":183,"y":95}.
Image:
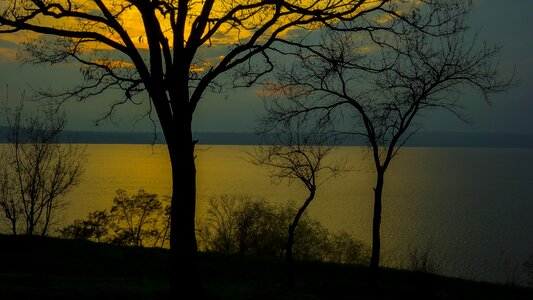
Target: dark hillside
{"x":48,"y":268}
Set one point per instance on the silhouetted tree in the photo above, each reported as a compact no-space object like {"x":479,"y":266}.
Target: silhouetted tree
{"x":375,"y":83}
{"x":294,"y":151}
{"x":137,"y":217}
{"x":37,"y":170}
{"x":141,"y":219}
{"x":161,"y":47}
{"x":9,"y":203}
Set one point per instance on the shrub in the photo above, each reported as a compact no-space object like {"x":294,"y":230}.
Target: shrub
{"x":94,"y":228}
{"x":246,"y":226}
{"x":234,"y":224}
{"x":344,"y":248}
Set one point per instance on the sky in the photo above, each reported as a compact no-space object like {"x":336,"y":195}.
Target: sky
{"x":509,"y":25}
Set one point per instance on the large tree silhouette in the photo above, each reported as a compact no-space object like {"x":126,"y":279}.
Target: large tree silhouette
{"x":155,"y":48}
{"x":376,"y":83}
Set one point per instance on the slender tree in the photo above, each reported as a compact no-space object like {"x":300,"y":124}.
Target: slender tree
{"x":294,"y":151}
{"x":375,"y":84}
{"x":162,"y":47}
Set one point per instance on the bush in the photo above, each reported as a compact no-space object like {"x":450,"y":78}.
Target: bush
{"x":94,"y":228}
{"x":245,"y":226}
{"x":343,"y":248}
{"x":241,"y":225}
{"x":235,"y":225}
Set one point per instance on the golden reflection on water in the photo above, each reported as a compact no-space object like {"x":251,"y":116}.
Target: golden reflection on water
{"x":112,"y":167}
{"x":220,"y":170}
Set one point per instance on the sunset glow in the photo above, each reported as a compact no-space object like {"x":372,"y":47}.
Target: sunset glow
{"x":131,"y":21}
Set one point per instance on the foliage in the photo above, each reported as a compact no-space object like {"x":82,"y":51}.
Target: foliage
{"x":134,"y":220}
{"x":246,"y":226}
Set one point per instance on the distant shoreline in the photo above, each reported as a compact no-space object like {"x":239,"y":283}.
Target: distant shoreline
{"x":421,"y":139}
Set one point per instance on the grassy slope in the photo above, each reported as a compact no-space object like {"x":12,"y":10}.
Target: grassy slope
{"x":36,"y":268}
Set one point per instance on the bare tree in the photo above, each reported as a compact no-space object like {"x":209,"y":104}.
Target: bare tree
{"x":37,"y":171}
{"x":375,"y":83}
{"x":11,"y":208}
{"x":163,"y":47}
{"x":295,"y":151}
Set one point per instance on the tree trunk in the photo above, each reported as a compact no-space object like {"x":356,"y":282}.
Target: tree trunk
{"x":184,"y":272}
{"x":47,"y":216}
{"x":290,"y":240}
{"x":14,"y":228}
{"x":376,"y":224}
{"x":30,"y":223}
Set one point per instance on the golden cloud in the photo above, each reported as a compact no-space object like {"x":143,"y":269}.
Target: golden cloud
{"x":131,"y":20}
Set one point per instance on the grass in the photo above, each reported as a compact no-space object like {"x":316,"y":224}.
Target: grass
{"x":49,"y":268}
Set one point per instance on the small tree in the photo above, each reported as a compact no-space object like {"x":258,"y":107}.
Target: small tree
{"x":296,"y":152}
{"x":138,"y":218}
{"x":37,"y":170}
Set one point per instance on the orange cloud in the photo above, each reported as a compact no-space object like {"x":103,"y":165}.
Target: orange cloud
{"x":7,"y":54}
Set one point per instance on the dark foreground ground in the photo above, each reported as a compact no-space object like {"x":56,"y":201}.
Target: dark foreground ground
{"x":45,"y":268}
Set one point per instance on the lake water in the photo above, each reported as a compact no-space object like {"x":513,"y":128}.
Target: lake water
{"x":474,"y":207}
